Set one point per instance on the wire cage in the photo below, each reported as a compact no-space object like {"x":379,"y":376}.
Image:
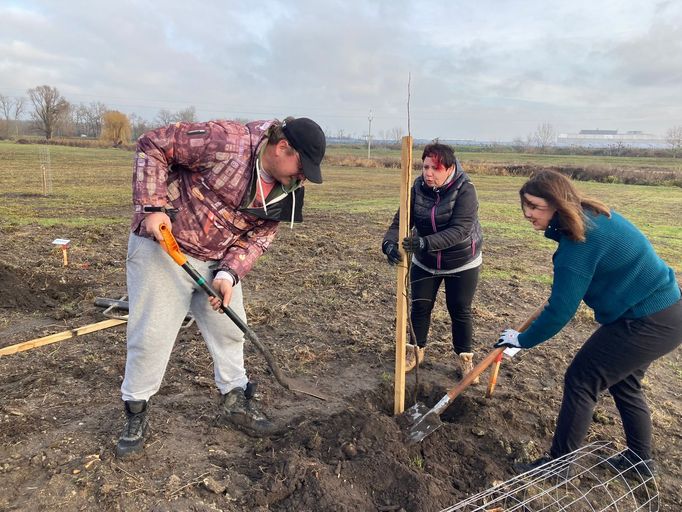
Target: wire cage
{"x":587,"y":480}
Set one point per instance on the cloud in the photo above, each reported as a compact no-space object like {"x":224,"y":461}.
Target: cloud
{"x":487,"y":69}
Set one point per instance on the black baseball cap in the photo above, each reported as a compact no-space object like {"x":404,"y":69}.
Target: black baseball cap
{"x":306,"y":137}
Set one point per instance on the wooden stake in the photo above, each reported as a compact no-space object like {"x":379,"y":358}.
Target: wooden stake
{"x":65,"y":255}
{"x":401,"y":302}
{"x":64,"y":335}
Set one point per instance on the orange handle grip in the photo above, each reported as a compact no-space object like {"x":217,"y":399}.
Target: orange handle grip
{"x":170,"y":245}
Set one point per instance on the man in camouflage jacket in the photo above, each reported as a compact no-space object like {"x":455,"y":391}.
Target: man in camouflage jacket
{"x":207,"y":182}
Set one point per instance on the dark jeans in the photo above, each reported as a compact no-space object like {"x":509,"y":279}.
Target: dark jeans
{"x":459,"y":294}
{"x":616,"y":357}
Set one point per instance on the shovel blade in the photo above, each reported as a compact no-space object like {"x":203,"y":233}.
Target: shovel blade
{"x":301,"y":387}
{"x":425,"y":422}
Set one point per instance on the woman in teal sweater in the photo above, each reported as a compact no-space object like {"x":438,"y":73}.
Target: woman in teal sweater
{"x":605,"y":261}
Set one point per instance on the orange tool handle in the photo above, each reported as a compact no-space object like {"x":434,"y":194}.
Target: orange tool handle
{"x":496,"y":364}
{"x":170,"y":245}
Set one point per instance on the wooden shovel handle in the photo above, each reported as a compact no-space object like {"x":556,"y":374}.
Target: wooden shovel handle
{"x":467,"y":380}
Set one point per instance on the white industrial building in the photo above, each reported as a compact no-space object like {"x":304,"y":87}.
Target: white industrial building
{"x":606,"y":138}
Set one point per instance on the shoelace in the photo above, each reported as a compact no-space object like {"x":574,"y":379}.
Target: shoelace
{"x":134,"y":424}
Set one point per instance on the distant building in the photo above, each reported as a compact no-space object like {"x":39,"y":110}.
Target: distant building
{"x":605,"y":138}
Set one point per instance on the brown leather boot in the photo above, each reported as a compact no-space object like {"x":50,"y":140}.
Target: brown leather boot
{"x":410,"y":361}
{"x":466,"y":362}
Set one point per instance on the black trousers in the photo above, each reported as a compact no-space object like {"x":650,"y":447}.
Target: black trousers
{"x":616,"y":357}
{"x":459,"y":294}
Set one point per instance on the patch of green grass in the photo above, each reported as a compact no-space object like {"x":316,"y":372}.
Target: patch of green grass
{"x":514,"y":275}
{"x":471,"y":158}
{"x":417,"y":462}
{"x":93,"y":187}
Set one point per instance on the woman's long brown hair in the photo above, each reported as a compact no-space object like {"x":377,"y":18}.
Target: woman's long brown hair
{"x":559,"y":192}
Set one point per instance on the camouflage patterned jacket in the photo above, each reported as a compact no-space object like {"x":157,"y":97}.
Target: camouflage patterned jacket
{"x":204,"y":170}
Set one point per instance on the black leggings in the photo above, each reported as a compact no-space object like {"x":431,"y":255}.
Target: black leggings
{"x":616,"y":357}
{"x":459,"y":294}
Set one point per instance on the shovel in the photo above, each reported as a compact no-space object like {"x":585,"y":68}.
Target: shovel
{"x":426,"y":421}
{"x":171,"y":246}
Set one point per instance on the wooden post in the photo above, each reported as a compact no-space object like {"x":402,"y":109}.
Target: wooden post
{"x":401,"y":302}
{"x":64,"y":335}
{"x":44,"y":174}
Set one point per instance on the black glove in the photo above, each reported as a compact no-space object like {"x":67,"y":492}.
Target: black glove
{"x":414,"y":243}
{"x":390,"y":249}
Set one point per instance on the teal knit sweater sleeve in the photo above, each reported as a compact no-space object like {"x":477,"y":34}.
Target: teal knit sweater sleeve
{"x":568,"y":289}
{"x":615,"y":271}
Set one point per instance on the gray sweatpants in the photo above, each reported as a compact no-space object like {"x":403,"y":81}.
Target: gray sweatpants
{"x":160,"y":293}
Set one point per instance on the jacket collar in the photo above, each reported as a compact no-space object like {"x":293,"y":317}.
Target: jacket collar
{"x":553,"y":230}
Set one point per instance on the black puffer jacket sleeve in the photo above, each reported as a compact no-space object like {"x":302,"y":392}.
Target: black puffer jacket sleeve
{"x":392,"y":231}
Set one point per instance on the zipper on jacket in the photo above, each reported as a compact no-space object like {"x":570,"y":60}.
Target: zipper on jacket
{"x":434,"y":227}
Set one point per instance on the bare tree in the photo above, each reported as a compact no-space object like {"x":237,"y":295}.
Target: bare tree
{"x":6,"y":108}
{"x":11,"y":109}
{"x":674,"y":139}
{"x":164,"y":117}
{"x":50,"y":109}
{"x":397,"y":133}
{"x":139,"y":125}
{"x":518,"y":145}
{"x":19,"y":106}
{"x":189,"y":114}
{"x":78,"y":117}
{"x":544,"y":136}
{"x":94,"y":118}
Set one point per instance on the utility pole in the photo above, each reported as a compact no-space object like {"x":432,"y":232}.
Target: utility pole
{"x":369,"y":135}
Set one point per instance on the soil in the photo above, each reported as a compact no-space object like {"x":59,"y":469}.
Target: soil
{"x":323,"y":300}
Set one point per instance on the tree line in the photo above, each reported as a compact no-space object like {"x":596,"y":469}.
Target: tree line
{"x":50,"y":114}
{"x":45,"y":112}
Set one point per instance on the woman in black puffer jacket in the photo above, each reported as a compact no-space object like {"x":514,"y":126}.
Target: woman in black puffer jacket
{"x":446,"y":245}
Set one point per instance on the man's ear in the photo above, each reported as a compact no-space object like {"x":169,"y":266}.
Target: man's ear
{"x":282,"y":146}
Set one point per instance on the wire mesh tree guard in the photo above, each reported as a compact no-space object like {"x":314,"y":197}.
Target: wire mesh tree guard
{"x":584,"y":480}
{"x":46,"y":169}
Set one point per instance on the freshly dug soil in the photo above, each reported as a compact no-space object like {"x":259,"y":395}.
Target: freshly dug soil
{"x":323,"y":300}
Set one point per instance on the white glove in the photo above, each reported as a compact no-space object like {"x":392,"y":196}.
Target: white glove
{"x":508,"y":338}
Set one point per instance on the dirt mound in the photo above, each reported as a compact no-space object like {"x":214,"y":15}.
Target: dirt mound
{"x":34,"y":291}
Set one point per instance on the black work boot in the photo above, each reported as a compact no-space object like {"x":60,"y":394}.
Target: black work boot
{"x":548,"y":466}
{"x":135,"y":430}
{"x":242,"y":412}
{"x":524,"y":467}
{"x":629,"y":462}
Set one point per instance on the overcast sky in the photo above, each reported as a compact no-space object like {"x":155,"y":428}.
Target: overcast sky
{"x":480,"y":69}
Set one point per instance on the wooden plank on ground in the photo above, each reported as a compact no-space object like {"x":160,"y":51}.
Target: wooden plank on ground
{"x":402,"y":289}
{"x":64,"y":335}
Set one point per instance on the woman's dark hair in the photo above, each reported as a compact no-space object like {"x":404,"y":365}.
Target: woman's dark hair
{"x":440,"y":153}
{"x":561,"y":194}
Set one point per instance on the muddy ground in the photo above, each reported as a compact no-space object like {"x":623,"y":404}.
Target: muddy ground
{"x":323,"y":300}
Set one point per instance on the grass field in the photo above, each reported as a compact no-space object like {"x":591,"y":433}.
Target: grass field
{"x":477,"y":157}
{"x":98,"y":180}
